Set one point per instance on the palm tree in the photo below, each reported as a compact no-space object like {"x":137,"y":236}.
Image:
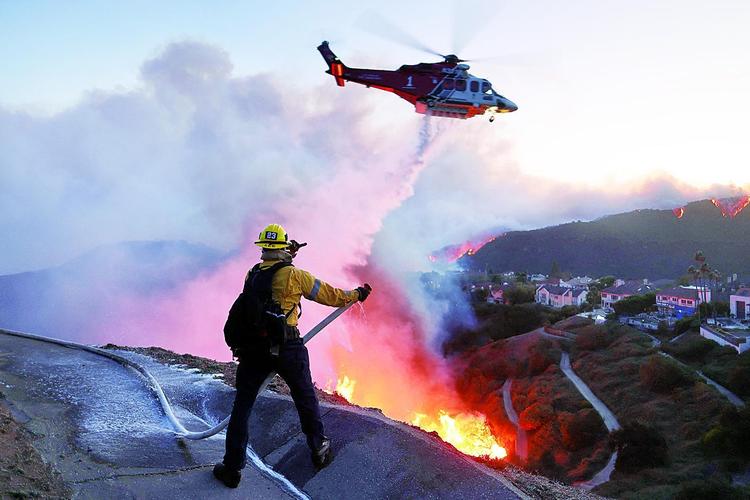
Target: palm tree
{"x":700,"y":274}
{"x":695,"y":273}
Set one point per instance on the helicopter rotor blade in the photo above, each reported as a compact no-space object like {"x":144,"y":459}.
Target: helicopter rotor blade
{"x":464,"y":33}
{"x":377,"y":25}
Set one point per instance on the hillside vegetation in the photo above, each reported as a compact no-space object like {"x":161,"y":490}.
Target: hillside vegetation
{"x":680,"y":437}
{"x":643,"y":243}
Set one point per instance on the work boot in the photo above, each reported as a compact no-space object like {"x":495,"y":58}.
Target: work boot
{"x":322,"y":456}
{"x":230,"y":478}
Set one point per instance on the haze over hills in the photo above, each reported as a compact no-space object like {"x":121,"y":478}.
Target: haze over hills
{"x":644,"y":243}
{"x":62,"y":301}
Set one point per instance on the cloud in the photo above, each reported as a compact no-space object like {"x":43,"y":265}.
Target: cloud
{"x":195,"y":153}
{"x":475,"y":184}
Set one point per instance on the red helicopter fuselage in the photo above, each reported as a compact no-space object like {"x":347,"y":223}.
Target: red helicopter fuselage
{"x":440,"y":89}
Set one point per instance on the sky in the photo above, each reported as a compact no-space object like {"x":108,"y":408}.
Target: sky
{"x":621,"y":105}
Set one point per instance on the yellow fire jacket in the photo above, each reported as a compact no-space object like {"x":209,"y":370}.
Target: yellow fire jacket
{"x":290,"y":284}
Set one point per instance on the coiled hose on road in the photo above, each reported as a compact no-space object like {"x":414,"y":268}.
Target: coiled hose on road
{"x":180,"y":429}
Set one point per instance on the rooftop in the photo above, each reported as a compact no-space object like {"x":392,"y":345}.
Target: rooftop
{"x":631,"y":288}
{"x":681,"y":293}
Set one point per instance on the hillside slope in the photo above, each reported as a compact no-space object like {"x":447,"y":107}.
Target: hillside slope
{"x":643,"y":243}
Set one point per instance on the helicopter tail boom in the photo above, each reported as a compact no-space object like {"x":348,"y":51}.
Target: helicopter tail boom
{"x":335,"y":66}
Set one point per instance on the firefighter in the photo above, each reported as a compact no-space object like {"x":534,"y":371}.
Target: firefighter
{"x":290,"y":360}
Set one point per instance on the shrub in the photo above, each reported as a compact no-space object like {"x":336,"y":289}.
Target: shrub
{"x":707,"y":490}
{"x":580,"y":430}
{"x":542,"y":354}
{"x":663,"y":331}
{"x":695,"y":349}
{"x":592,"y":338}
{"x":663,"y":375}
{"x":731,"y":438}
{"x":535,"y":416}
{"x":638,"y":447}
{"x":685,"y":324}
{"x":521,"y":294}
{"x":739,"y":380}
{"x":522,"y":319}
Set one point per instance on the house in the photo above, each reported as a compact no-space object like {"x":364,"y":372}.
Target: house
{"x":739,"y":304}
{"x":622,"y":291}
{"x":496,"y":295}
{"x":681,"y":301}
{"x":729,"y":334}
{"x":577,"y":282}
{"x":535,"y":278}
{"x":560,"y":296}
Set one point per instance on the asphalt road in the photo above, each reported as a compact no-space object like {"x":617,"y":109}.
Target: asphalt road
{"x":101,"y":427}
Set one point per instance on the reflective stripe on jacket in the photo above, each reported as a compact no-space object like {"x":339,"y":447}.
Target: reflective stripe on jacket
{"x":290,"y":284}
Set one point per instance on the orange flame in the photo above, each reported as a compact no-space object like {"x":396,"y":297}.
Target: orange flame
{"x":731,"y":207}
{"x":345,"y":388}
{"x":468,"y":432}
{"x":453,"y":253}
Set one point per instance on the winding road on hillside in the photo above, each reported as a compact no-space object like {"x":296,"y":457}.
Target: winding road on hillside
{"x":729,"y":395}
{"x":610,"y":421}
{"x":102,"y":428}
{"x":522,"y":442}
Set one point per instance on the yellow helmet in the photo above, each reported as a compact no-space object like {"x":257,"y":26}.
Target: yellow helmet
{"x":273,"y":237}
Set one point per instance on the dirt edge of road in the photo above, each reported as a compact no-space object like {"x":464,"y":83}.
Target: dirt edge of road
{"x":23,"y":472}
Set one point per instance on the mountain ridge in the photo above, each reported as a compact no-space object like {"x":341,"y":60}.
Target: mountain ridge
{"x":650,"y":243}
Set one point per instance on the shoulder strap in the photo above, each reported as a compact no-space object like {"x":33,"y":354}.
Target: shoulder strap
{"x":261,"y":279}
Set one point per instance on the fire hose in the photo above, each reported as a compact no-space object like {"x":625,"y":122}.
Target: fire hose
{"x":180,"y":429}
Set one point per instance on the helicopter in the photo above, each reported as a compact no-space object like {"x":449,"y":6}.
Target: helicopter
{"x":438,"y":89}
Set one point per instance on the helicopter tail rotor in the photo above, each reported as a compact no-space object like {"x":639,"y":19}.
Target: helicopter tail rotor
{"x":335,"y":66}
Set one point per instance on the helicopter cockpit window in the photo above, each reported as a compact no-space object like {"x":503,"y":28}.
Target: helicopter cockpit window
{"x":486,"y":87}
{"x":461,"y":85}
{"x":449,"y":84}
{"x":474,"y":86}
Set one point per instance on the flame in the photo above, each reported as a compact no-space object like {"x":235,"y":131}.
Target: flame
{"x":731,"y":207}
{"x":452,"y":253}
{"x":345,"y":388}
{"x":468,"y":432}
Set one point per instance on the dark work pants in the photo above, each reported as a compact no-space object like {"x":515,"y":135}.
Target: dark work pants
{"x":293,"y":364}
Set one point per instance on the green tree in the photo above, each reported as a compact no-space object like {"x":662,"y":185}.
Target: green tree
{"x":520,"y":294}
{"x":555,"y":271}
{"x":594,"y":297}
{"x":606,"y":282}
{"x":635,"y":304}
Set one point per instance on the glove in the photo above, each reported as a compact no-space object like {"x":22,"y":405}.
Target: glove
{"x":294,"y":247}
{"x":364,"y":291}
{"x":237,"y":352}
